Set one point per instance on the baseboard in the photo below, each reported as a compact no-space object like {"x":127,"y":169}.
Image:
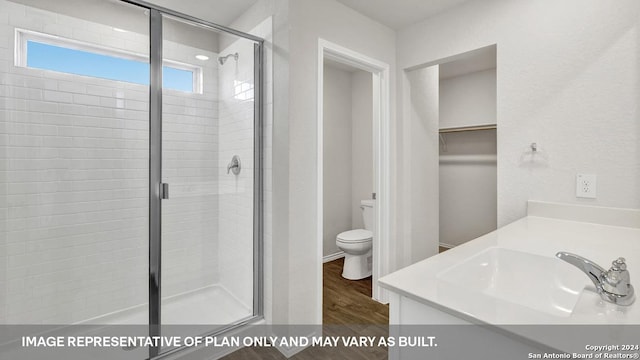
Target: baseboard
{"x":446,"y":246}
{"x":331,"y":257}
{"x":289,"y":352}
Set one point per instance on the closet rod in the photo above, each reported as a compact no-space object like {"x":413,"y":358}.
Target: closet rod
{"x":466,"y":159}
{"x":468,"y":128}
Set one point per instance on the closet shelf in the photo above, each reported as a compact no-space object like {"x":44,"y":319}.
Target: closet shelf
{"x":476,"y":159}
{"x":468,"y":128}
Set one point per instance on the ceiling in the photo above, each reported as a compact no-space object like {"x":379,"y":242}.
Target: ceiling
{"x":472,"y":61}
{"x":400,"y":13}
{"x":221,"y":12}
{"x":393,"y":13}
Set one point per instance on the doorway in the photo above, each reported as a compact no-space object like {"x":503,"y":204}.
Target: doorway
{"x":451,"y":120}
{"x":379,"y":75}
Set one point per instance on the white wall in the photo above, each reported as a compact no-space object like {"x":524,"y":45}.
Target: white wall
{"x":468,"y":99}
{"x":567,"y":80}
{"x":420,"y":188}
{"x":468,"y":189}
{"x":362,"y":143}
{"x":348,"y":151}
{"x":338,"y":160}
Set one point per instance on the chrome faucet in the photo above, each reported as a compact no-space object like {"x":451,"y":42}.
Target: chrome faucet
{"x":613,"y":285}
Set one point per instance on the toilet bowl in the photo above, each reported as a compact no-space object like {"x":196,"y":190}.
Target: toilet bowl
{"x":357,"y":246}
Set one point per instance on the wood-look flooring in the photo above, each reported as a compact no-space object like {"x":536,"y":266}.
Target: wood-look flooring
{"x":348,"y":309}
{"x":348,"y":302}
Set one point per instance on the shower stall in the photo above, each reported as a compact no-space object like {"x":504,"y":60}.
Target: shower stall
{"x":130,"y":167}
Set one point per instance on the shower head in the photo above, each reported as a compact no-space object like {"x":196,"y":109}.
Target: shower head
{"x":223,"y":59}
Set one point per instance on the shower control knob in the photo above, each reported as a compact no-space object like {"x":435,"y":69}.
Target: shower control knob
{"x":234,"y":166}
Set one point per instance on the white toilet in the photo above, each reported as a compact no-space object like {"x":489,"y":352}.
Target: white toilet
{"x":357,"y":245}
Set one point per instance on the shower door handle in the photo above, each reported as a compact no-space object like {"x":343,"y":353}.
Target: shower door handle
{"x":164,"y":191}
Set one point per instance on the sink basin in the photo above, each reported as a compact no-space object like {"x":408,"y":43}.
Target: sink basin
{"x":541,"y":283}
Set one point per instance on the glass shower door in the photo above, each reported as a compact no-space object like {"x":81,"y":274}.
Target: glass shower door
{"x":208,"y":117}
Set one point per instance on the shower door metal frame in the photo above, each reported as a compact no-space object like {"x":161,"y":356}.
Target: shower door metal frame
{"x":156,"y":14}
{"x":155,"y":176}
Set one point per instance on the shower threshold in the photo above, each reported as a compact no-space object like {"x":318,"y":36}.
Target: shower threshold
{"x":209,"y":305}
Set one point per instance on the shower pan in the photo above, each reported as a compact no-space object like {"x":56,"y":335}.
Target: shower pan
{"x":116,"y":206}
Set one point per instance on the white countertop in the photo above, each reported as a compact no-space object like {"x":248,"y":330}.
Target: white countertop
{"x":535,"y":235}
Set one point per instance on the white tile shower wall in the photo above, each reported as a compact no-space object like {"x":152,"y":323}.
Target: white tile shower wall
{"x":74,"y":182}
{"x":265,"y":29}
{"x":236,"y":131}
{"x":190,"y":166}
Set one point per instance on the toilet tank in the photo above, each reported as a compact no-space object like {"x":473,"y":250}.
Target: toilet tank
{"x":367,"y":213}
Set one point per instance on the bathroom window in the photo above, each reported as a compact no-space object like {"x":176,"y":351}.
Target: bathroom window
{"x":42,"y":51}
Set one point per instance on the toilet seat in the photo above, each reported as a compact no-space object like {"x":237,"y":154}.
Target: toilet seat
{"x":355,"y":236}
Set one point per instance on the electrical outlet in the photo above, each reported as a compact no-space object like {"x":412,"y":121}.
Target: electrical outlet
{"x":586,"y":186}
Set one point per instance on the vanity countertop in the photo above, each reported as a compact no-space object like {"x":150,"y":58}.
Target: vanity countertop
{"x":433,"y":281}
